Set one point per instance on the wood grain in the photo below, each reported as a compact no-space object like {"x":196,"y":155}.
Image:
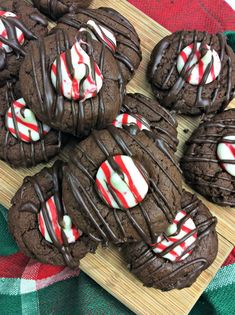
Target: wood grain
{"x":107,"y":267}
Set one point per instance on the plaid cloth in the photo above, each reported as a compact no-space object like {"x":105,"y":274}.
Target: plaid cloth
{"x":30,"y":288}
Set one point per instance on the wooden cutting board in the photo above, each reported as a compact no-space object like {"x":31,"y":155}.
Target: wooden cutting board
{"x":107,"y":267}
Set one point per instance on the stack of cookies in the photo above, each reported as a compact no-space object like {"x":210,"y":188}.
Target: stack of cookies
{"x":121,"y":184}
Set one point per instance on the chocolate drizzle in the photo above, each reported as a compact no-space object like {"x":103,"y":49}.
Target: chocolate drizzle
{"x":147,"y":257}
{"x":90,"y":210}
{"x":201,"y":103}
{"x":10,"y":24}
{"x":38,"y":18}
{"x":55,"y":174}
{"x":53,"y":8}
{"x":125,"y":35}
{"x":213,"y":139}
{"x":27,"y":159}
{"x":166,"y":135}
{"x":52,"y":101}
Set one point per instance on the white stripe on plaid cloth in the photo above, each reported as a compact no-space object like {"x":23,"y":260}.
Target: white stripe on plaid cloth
{"x":231,"y":3}
{"x":224,"y":277}
{"x":16,"y":286}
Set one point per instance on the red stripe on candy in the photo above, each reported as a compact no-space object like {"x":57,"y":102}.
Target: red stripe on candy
{"x":54,"y":219}
{"x":18,"y":104}
{"x":41,"y":224}
{"x":184,"y":56}
{"x":185,"y":229}
{"x":97,"y":71}
{"x":4,"y":35}
{"x":139,"y":124}
{"x":21,"y":38}
{"x":54,"y":69}
{"x":119,"y":195}
{"x":22,"y":136}
{"x":125,"y":119}
{"x":231,"y":148}
{"x":200,"y":66}
{"x":76,"y":233}
{"x":132,"y":186}
{"x":103,"y":192}
{"x":26,"y":124}
{"x":160,"y":246}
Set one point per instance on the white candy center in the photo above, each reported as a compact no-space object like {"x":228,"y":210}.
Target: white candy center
{"x":127,"y":120}
{"x":226,"y":151}
{"x":121,"y":185}
{"x":199,"y":64}
{"x":183,"y":240}
{"x":25,"y":125}
{"x":3,"y":31}
{"x":71,"y":233}
{"x":86,"y":80}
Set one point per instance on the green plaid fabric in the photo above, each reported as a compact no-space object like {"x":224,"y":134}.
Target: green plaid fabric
{"x":62,"y":292}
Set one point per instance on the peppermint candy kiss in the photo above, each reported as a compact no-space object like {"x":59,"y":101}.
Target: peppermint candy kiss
{"x":127,"y":120}
{"x":226,"y":152}
{"x":86,"y":80}
{"x":120,"y":183}
{"x":3,"y":31}
{"x":199,"y":63}
{"x":22,"y":123}
{"x":102,"y":34}
{"x":71,"y":233}
{"x":174,"y":245}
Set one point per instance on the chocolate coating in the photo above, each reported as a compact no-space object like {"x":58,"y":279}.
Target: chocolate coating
{"x":142,"y":222}
{"x":23,"y":220}
{"x":57,"y":8}
{"x":170,"y":87}
{"x":156,"y":271}
{"x":12,"y":149}
{"x":128,"y":52}
{"x":75,"y":117}
{"x":31,"y":23}
{"x":200,"y":164}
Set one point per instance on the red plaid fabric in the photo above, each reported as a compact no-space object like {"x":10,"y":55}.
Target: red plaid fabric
{"x":213,"y":16}
{"x":29,"y":275}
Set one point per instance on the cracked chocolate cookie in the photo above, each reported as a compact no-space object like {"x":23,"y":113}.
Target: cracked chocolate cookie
{"x":179,"y":256}
{"x":20,"y":23}
{"x":73,"y":82}
{"x":57,"y":8}
{"x":24,"y":140}
{"x":41,"y":225}
{"x":193,"y":72}
{"x":208,"y":162}
{"x":153,"y":119}
{"x":113,"y":29}
{"x":122,"y":187}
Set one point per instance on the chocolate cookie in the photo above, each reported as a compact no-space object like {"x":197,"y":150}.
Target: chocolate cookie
{"x":57,"y":8}
{"x":208,"y":161}
{"x":73,"y":83}
{"x":193,"y":72}
{"x":121,"y":187}
{"x":113,"y":29}
{"x":149,"y":116}
{"x":19,"y":24}
{"x":41,"y":225}
{"x":24,"y":140}
{"x":188,"y":247}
